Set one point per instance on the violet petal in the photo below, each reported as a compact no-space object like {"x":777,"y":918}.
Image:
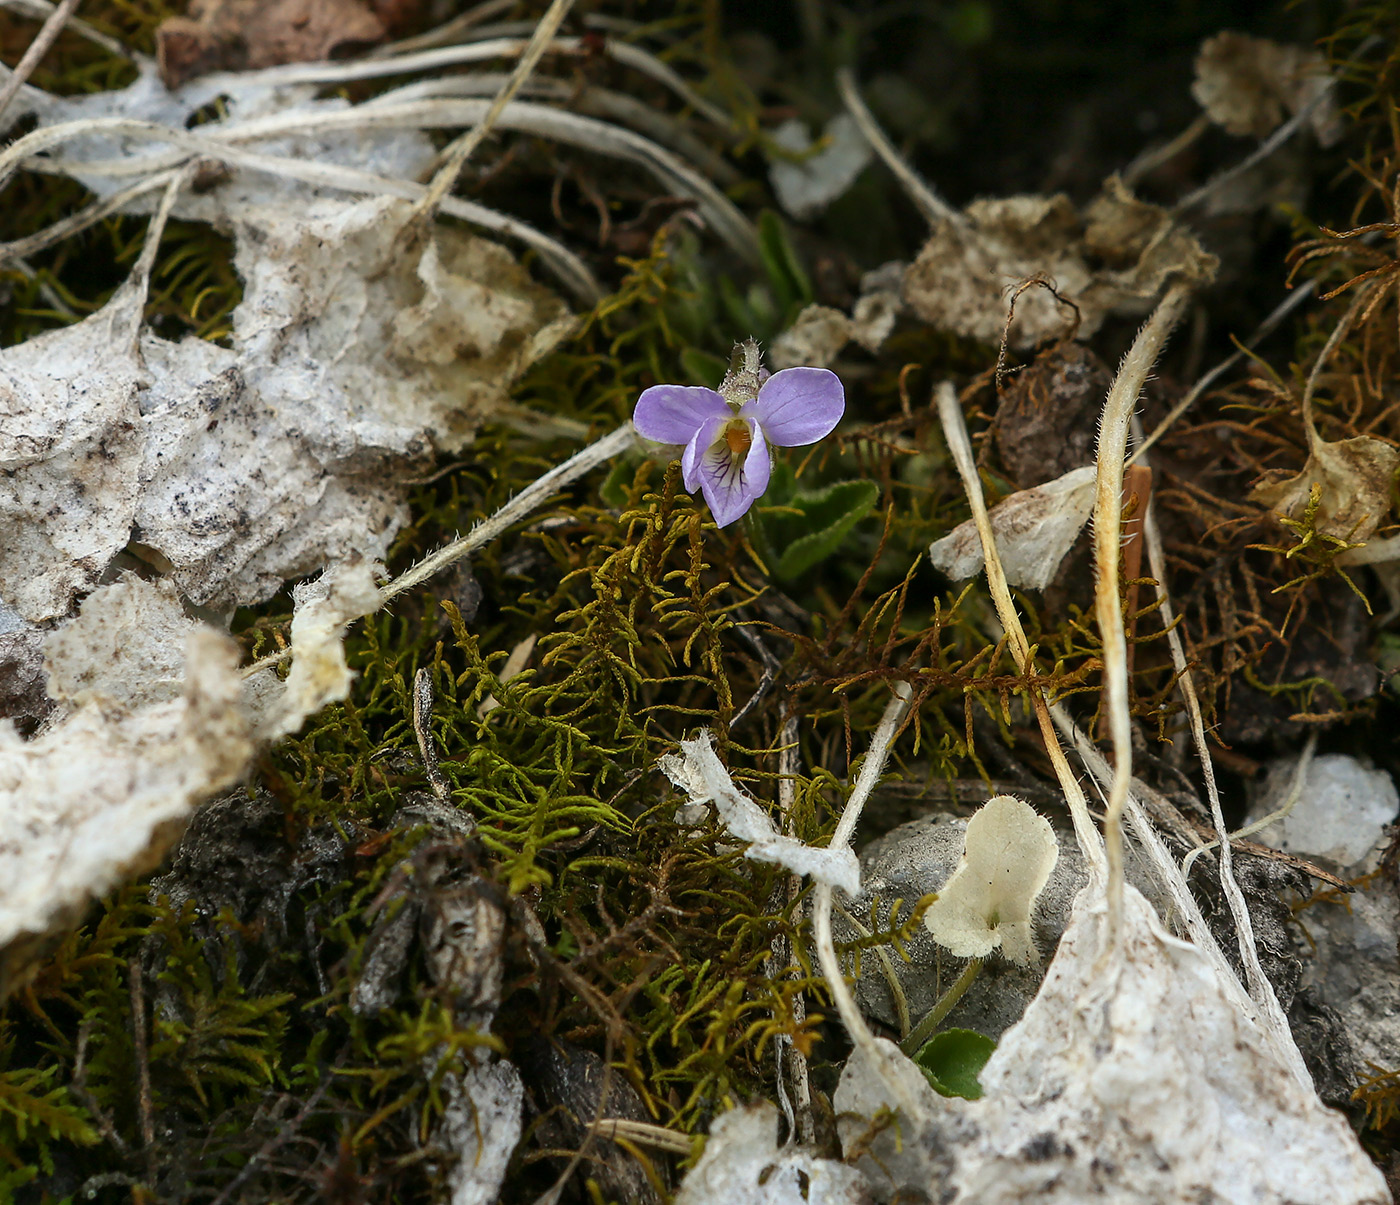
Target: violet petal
{"x":758,"y":465}
{"x":706,"y":435}
{"x":671,"y":414}
{"x":728,"y":484}
{"x":798,"y":406}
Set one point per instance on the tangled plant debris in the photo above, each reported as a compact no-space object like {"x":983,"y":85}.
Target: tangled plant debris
{"x":525,"y":795}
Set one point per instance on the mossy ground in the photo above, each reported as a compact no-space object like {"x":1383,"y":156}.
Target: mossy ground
{"x":169,"y":1041}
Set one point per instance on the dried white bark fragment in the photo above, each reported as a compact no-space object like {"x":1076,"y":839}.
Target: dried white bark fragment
{"x":125,"y":648}
{"x":244,"y":467}
{"x":699,"y":772}
{"x":1035,"y":529}
{"x":102,"y":793}
{"x":70,"y":452}
{"x":1133,"y":1078}
{"x":743,"y":1165}
{"x":480,"y":1126}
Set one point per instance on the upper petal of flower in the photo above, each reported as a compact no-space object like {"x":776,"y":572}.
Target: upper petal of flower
{"x":798,"y":405}
{"x":731,"y":484}
{"x":671,"y":414}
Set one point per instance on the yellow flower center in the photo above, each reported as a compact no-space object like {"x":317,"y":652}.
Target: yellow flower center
{"x":738,"y":437}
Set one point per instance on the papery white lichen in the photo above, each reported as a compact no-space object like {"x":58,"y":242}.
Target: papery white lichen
{"x":159,"y":719}
{"x":743,"y":1165}
{"x":104,"y":792}
{"x":319,"y":674}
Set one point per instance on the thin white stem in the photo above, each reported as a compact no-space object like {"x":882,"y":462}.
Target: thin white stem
{"x":1263,"y":150}
{"x":822,"y":939}
{"x":544,"y":121}
{"x":624,"y":53}
{"x":488,"y":529}
{"x":788,"y":766}
{"x":76,"y":223}
{"x":47,"y":35}
{"x":1260,"y":989}
{"x":929,"y":203}
{"x":1282,"y":812}
{"x":1281,"y":311}
{"x":462,"y":148}
{"x":861,"y":1037}
{"x":447,"y":33}
{"x":513,"y":511}
{"x":1334,"y":341}
{"x":42,"y":9}
{"x":570,"y":270}
{"x":1154,"y":157}
{"x":873,"y":765}
{"x":901,"y":1001}
{"x":1108,"y":536}
{"x":1275,"y":1030}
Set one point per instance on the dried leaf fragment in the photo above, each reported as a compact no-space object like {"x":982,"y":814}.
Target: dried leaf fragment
{"x":1034,"y":528}
{"x":805,"y":187}
{"x":1113,"y":259}
{"x":1246,"y":85}
{"x":1354,"y":477}
{"x":816,"y":337}
{"x":698,"y":771}
{"x":1009,"y":851}
{"x":234,"y":35}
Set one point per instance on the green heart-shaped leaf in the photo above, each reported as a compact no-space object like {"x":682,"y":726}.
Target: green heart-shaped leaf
{"x":952,"y":1061}
{"x":797,"y":529}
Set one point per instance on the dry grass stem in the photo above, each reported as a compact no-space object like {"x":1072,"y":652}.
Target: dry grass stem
{"x":929,"y":203}
{"x":1108,"y":535}
{"x":822,"y":938}
{"x":955,"y":434}
{"x":460,"y":150}
{"x":45,"y":38}
{"x":1271,"y":323}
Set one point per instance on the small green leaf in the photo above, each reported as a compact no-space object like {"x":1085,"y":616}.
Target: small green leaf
{"x":613,"y":491}
{"x":805,"y":527}
{"x":952,"y":1061}
{"x":786,"y":276}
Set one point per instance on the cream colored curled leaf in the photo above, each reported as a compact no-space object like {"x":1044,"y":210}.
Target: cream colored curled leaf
{"x":1008,"y":854}
{"x":1355,"y":478}
{"x":1035,"y":529}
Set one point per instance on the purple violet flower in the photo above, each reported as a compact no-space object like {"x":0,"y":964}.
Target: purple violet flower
{"x":726,"y":432}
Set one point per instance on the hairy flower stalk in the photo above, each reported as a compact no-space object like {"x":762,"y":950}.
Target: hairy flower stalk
{"x":725,"y":433}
